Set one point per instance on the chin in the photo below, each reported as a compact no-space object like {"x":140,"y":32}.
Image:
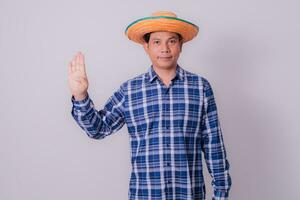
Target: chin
{"x":165,"y":65}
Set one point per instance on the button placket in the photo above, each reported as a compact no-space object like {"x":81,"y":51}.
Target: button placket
{"x":166,"y":128}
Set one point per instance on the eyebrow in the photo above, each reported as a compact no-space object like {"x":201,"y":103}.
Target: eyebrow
{"x":176,"y":37}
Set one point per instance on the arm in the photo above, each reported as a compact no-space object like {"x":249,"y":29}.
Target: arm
{"x":213,"y":146}
{"x":99,"y":124}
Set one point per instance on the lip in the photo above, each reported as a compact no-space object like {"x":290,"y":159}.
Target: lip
{"x":165,"y":57}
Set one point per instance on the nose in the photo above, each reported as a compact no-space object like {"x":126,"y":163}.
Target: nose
{"x":165,"y":48}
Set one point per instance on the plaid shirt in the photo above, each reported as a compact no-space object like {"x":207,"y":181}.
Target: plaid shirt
{"x":169,"y":129}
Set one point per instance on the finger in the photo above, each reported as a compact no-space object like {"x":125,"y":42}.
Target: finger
{"x":80,"y":58}
{"x":81,"y":62}
{"x":78,"y":61}
{"x":74,"y":65}
{"x":70,"y":68}
{"x":77,"y":66}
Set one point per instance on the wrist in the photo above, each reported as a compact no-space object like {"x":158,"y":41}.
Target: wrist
{"x":80,"y":97}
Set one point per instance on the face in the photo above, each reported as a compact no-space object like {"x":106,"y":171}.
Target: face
{"x":163,"y":49}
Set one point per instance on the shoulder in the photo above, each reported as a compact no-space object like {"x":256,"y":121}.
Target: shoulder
{"x":197,"y":79}
{"x":203,"y":83}
{"x":133,"y":82}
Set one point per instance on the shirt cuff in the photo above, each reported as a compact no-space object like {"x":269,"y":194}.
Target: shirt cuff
{"x":220,"y":195}
{"x":82,"y":105}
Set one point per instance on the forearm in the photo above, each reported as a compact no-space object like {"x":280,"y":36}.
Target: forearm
{"x":88,"y":118}
{"x":217,"y":162}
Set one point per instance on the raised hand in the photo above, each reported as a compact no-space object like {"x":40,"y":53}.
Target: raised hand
{"x":77,"y":78}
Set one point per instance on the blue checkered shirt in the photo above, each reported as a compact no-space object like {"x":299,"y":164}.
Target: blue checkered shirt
{"x":169,"y":128}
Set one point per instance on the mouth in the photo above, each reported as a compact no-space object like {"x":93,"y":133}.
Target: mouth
{"x":165,"y":57}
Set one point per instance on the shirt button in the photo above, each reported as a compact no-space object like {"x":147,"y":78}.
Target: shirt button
{"x":169,"y":181}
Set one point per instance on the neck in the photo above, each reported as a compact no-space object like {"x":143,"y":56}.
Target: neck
{"x":166,"y":74}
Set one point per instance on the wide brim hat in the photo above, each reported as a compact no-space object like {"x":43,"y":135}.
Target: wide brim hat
{"x":161,"y":21}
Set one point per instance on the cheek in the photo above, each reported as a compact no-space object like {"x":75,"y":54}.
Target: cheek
{"x":176,"y":52}
{"x":152,"y":56}
{"x":154,"y":53}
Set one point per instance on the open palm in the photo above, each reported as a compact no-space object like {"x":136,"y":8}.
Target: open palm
{"x":77,"y":78}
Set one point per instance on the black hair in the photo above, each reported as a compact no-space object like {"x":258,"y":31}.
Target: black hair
{"x":146,"y":37}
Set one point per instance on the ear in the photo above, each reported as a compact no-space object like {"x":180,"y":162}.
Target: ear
{"x":146,"y":47}
{"x":181,"y":46}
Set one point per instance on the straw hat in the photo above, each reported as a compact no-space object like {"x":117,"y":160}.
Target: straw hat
{"x":161,"y":21}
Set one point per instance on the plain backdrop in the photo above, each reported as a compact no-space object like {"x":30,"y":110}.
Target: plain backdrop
{"x":247,"y":49}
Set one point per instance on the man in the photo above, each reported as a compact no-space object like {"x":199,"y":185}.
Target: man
{"x":170,"y":113}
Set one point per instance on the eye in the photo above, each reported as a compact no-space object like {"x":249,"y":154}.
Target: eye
{"x":173,"y":41}
{"x":155,"y":42}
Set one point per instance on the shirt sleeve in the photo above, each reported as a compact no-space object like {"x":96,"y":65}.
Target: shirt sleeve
{"x":213,"y":146}
{"x":100,"y":123}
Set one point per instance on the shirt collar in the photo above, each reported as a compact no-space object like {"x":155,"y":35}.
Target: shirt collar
{"x":152,"y":75}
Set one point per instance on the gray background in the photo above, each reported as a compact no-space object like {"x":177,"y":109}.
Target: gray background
{"x":248,"y":50}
